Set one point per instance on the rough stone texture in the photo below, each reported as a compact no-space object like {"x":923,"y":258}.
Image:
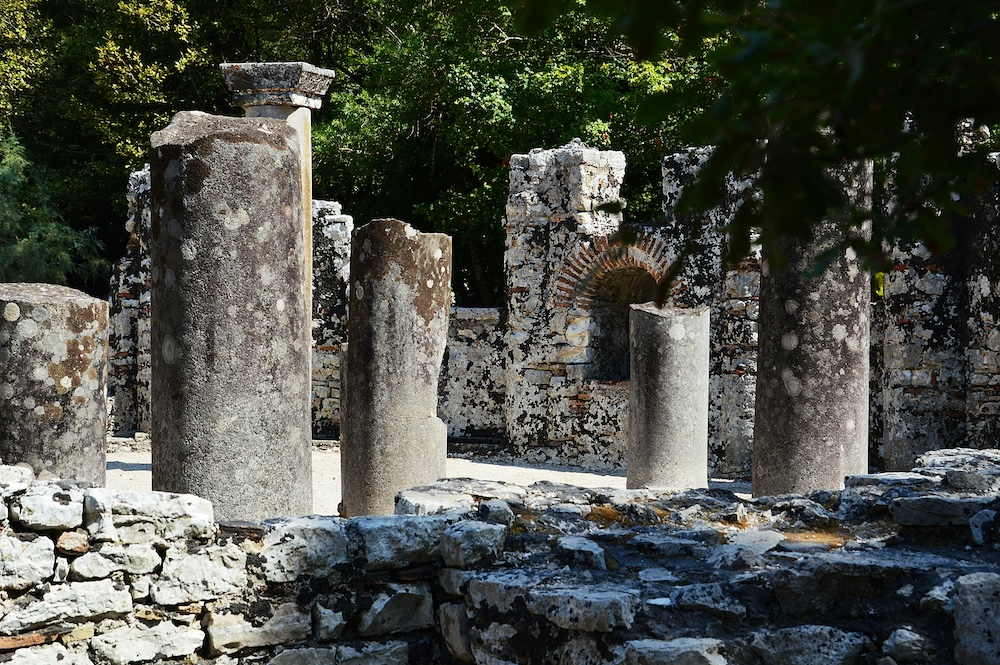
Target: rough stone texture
{"x":977,"y":619}
{"x":668,"y":397}
{"x":701,"y":576}
{"x":391,"y":437}
{"x":231,"y":313}
{"x":470,"y":389}
{"x":53,"y":380}
{"x":277,"y":83}
{"x":128,"y":333}
{"x":145,"y":517}
{"x":304,"y":546}
{"x":807,"y":645}
{"x":811,"y":412}
{"x":331,"y":271}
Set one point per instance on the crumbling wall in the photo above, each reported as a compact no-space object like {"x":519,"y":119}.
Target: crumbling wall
{"x":331,"y":288}
{"x":129,"y":331}
{"x":471,"y":382}
{"x":485,"y":572}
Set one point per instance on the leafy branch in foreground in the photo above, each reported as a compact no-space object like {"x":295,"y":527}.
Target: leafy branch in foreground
{"x":811,"y":87}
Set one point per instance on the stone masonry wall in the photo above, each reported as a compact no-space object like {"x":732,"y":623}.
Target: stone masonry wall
{"x":128,"y":344}
{"x":331,"y":287}
{"x":493,"y":573}
{"x":471,"y":382}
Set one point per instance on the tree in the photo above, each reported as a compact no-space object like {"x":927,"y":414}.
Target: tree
{"x":36,"y":245}
{"x":436,"y":97}
{"x":827,"y":84}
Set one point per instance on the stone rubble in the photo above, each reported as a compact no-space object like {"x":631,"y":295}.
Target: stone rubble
{"x":561,"y":575}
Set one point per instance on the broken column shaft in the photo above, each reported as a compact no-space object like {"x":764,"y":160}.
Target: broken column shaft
{"x":391,"y":437}
{"x":230,"y":316}
{"x":668,"y":397}
{"x":53,"y":380}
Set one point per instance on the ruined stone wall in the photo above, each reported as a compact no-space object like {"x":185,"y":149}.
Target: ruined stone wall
{"x":483,"y":572}
{"x":470,"y":393}
{"x":129,"y":332}
{"x":331,"y":287}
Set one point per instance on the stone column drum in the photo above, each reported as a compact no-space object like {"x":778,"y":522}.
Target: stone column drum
{"x":397,"y":329}
{"x":53,"y":380}
{"x":668,"y":397}
{"x":811,"y":412}
{"x":230,"y":316}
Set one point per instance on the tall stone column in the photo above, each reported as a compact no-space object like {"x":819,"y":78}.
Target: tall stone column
{"x":230,"y":316}
{"x":53,"y":380}
{"x":811,"y":425}
{"x":391,"y":437}
{"x":668,"y":397}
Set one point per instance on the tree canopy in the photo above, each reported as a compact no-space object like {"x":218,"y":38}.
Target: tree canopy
{"x":912,"y":84}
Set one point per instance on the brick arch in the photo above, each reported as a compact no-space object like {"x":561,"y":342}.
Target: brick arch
{"x":590,"y":262}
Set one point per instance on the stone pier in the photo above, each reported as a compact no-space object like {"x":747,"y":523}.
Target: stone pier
{"x":53,"y":380}
{"x":391,"y":437}
{"x":668,"y":397}
{"x":811,"y":427}
{"x":231,"y":316}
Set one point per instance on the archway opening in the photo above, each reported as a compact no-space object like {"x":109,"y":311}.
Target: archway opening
{"x":609,"y":335}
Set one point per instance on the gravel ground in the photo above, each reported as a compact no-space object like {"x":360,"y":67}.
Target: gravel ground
{"x":129,"y":469}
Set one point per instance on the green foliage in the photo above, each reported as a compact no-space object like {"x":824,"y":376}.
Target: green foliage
{"x":36,"y":245}
{"x":438,"y":96}
{"x":828,"y":84}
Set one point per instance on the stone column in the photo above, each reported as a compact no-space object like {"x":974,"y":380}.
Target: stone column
{"x":231,"y":318}
{"x":287,"y":91}
{"x":391,"y":437}
{"x":668,"y":397}
{"x":811,"y":426}
{"x":53,"y":380}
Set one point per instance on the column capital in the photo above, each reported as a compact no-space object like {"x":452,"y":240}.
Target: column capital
{"x":276,"y":83}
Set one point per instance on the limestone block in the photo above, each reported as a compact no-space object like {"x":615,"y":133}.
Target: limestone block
{"x":936,"y":509}
{"x":25,"y":563}
{"x":49,"y":506}
{"x":469,"y":543}
{"x":399,"y":541}
{"x":229,"y":633}
{"x":109,"y":558}
{"x":77,"y":601}
{"x":328,"y":624}
{"x":432,"y":501}
{"x":500,"y":590}
{"x":977,"y":621}
{"x":374,"y":653}
{"x":134,"y":644}
{"x":710,"y":598}
{"x":146,"y":517}
{"x":590,"y":609}
{"x":53,"y":380}
{"x":305,"y":657}
{"x":204,"y":575}
{"x":49,"y":654}
{"x":581,"y":551}
{"x":983,"y":527}
{"x":399,"y":609}
{"x":686,"y":650}
{"x":907,"y":646}
{"x":496,"y":511}
{"x":453,"y":620}
{"x":276,"y":83}
{"x":311,"y":546}
{"x":16,"y":475}
{"x":808,"y":645}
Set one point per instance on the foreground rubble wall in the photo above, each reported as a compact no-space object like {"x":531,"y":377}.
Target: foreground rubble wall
{"x":900,"y":567}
